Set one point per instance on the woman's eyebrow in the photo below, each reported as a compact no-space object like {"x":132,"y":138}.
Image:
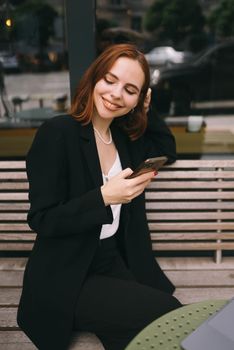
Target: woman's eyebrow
{"x":129,"y":84}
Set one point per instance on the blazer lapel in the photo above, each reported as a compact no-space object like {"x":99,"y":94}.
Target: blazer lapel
{"x":120,"y":140}
{"x":121,"y":143}
{"x":91,"y":154}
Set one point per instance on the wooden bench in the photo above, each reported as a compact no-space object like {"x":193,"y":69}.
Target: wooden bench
{"x":190,"y":210}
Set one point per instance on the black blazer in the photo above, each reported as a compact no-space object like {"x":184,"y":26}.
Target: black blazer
{"x":67,"y":212}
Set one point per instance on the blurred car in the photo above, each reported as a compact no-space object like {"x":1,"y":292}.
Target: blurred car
{"x":9,"y":62}
{"x":207,"y":77}
{"x":164,"y":56}
{"x":43,"y":62}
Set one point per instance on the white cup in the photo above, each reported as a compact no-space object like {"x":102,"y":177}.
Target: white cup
{"x":195,"y":123}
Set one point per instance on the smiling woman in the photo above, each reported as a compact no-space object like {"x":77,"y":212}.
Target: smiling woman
{"x":84,"y":271}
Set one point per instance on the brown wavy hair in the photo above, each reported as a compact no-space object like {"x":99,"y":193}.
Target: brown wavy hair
{"x":82,"y":107}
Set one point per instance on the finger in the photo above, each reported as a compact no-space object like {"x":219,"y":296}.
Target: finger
{"x":142,"y":178}
{"x":139,"y":189}
{"x":125,"y":173}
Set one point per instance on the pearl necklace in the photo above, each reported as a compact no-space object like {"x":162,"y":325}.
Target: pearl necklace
{"x":101,"y":138}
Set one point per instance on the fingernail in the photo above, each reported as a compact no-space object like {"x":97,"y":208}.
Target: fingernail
{"x":155,"y":173}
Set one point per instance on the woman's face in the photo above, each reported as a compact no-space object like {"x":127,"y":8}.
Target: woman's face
{"x":119,"y":90}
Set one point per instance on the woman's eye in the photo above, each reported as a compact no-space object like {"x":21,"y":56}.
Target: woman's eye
{"x":130,"y":92}
{"x":108,"y":81}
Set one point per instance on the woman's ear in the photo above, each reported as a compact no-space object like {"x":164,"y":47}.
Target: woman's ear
{"x":147,"y":100}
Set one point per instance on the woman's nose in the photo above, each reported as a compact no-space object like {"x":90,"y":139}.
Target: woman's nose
{"x":116,"y":91}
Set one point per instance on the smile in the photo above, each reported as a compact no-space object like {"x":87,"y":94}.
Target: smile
{"x":110,"y":106}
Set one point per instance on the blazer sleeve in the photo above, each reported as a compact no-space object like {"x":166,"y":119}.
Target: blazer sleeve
{"x":52,"y":213}
{"x":158,"y":139}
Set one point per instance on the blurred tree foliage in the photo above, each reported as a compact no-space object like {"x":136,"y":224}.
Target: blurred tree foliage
{"x":221,"y":19}
{"x":35,"y":21}
{"x":174,"y":20}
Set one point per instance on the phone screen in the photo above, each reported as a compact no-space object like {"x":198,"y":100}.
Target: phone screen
{"x":148,"y":165}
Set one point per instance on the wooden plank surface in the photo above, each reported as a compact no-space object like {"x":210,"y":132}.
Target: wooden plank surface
{"x":13,"y":216}
{"x":185,"y":226}
{"x":17,"y":340}
{"x":14,"y":206}
{"x":13,"y":196}
{"x":11,"y":278}
{"x":188,"y":236}
{"x":187,"y":174}
{"x":194,"y":295}
{"x":14,"y":186}
{"x":20,"y":175}
{"x":195,"y":264}
{"x":9,"y":296}
{"x":157,"y":216}
{"x":14,"y":227}
{"x":189,"y":195}
{"x":194,"y":246}
{"x":208,"y":163}
{"x":17,"y":237}
{"x":16,"y":246}
{"x":181,"y":205}
{"x":158,"y":185}
{"x":202,"y":278}
{"x":12,"y":164}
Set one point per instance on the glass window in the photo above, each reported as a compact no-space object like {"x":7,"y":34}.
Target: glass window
{"x":34,"y":78}
{"x":190,"y":50}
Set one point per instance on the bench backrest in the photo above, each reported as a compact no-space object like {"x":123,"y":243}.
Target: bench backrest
{"x":190,"y":207}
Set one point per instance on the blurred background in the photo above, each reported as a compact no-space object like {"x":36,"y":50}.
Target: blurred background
{"x":189,"y":45}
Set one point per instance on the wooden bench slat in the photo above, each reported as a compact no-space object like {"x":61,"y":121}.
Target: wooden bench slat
{"x":17,"y":196}
{"x":212,"y":226}
{"x":171,"y":175}
{"x":195,"y":246}
{"x":17,"y":237}
{"x":158,"y":216}
{"x":194,"y":295}
{"x":191,"y":236}
{"x":208,"y":163}
{"x":14,"y":206}
{"x":13,"y":216}
{"x":8,"y":318}
{"x":14,"y":227}
{"x":16,"y":246}
{"x":202,"y":278}
{"x":11,"y":278}
{"x":9,"y":297}
{"x":156,"y":184}
{"x":12,"y":264}
{"x":12,"y":164}
{"x":20,"y":175}
{"x":14,"y":186}
{"x":171,"y":205}
{"x":189,"y":195}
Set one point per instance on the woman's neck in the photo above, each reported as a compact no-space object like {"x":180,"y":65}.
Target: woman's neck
{"x":102,"y":125}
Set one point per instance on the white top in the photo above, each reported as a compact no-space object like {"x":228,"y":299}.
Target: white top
{"x":109,"y":230}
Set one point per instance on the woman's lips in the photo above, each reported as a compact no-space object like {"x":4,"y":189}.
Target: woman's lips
{"x":111,"y":106}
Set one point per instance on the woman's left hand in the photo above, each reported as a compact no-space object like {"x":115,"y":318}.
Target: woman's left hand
{"x":147,"y":100}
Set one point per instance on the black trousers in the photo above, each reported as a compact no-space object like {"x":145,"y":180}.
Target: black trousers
{"x":113,"y":305}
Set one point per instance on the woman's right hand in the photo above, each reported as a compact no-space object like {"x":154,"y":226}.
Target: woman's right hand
{"x":119,"y":190}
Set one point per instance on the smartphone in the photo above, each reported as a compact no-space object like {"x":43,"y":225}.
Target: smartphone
{"x":148,"y":165}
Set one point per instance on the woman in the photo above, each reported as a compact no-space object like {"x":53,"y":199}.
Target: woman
{"x":92,"y":266}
